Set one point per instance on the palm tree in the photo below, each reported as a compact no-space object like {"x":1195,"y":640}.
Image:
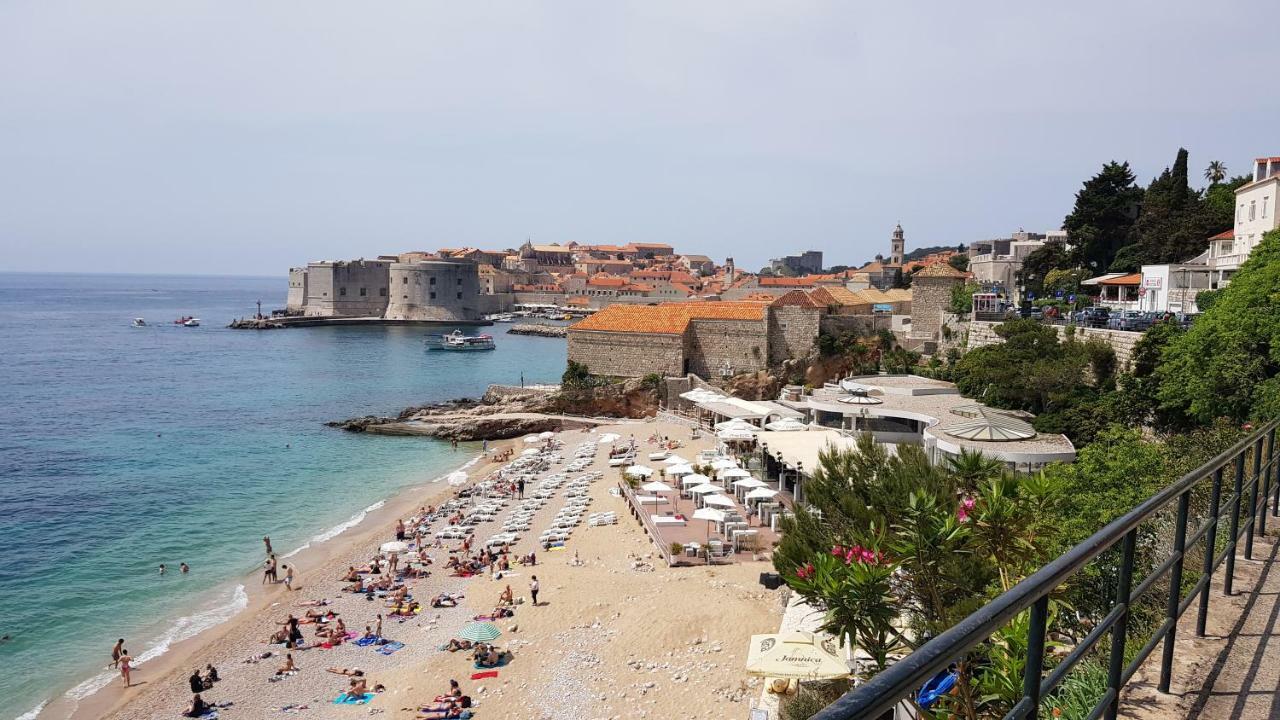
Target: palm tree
{"x":1216,"y":171}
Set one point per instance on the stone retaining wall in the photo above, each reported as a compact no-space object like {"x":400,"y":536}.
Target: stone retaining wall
{"x":1122,"y":341}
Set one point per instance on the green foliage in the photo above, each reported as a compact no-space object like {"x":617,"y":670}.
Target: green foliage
{"x":1104,"y":212}
{"x":1220,"y":200}
{"x":812,"y":697}
{"x":1206,"y":298}
{"x":1037,"y":265}
{"x":1227,"y":364}
{"x":1175,"y":220}
{"x":962,"y":298}
{"x":576,"y":377}
{"x":959,"y":262}
{"x":652,"y":381}
{"x":1064,"y":280}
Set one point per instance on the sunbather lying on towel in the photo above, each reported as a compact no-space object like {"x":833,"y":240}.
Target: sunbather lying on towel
{"x":455,"y":645}
{"x":444,"y":600}
{"x":355,"y":672}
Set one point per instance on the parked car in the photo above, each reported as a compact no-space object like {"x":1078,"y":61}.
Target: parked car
{"x":1095,"y":317}
{"x":1130,"y":320}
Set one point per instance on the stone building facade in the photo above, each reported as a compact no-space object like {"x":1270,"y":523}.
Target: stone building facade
{"x":352,"y":288}
{"x":930,"y":298}
{"x":297,"y":298}
{"x":628,"y":354}
{"x":434,"y":290}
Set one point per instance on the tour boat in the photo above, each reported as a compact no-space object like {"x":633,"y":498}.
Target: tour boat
{"x":187,"y":321}
{"x":139,"y":322}
{"x":457,"y":341}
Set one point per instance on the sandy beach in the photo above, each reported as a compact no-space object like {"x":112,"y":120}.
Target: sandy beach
{"x":617,"y":634}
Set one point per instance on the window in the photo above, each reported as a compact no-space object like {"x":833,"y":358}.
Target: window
{"x":433,"y":280}
{"x":1265,"y":198}
{"x":459,"y":296}
{"x":404,"y":281}
{"x":382,"y":292}
{"x":459,"y":281}
{"x":363,"y":292}
{"x":342,"y":291}
{"x":433,"y":295}
{"x":1252,"y":207}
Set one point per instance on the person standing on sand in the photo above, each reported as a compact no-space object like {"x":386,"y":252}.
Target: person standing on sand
{"x":288,"y":578}
{"x":116,"y":652}
{"x":269,"y":570}
{"x":125,"y":659}
{"x":520,"y":487}
{"x":533,"y":589}
{"x":377,"y":627}
{"x":266,"y":540}
{"x":484,"y":446}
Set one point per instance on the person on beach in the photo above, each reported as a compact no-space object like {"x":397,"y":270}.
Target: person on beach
{"x":288,"y":666}
{"x":185,"y":568}
{"x":294,"y":635}
{"x":484,"y":447}
{"x":399,"y":529}
{"x":161,"y":568}
{"x":266,"y":540}
{"x":533,"y":589}
{"x":269,"y":570}
{"x":197,"y":708}
{"x":125,"y":668}
{"x":116,"y":651}
{"x":377,"y":626}
{"x":506,"y":598}
{"x":520,"y":487}
{"x":288,"y":578}
{"x":195,"y":682}
{"x":210,"y":676}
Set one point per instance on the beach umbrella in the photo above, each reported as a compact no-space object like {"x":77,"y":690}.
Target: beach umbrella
{"x":735,"y":424}
{"x":638,"y":471}
{"x":723,"y":464}
{"x":656,"y":486}
{"x":795,"y":655}
{"x":734,"y":472}
{"x":705,"y":488}
{"x":750,"y":483}
{"x":546,"y":435}
{"x":456,"y":478}
{"x":681,"y":469}
{"x":699,"y":478}
{"x":717,"y":500}
{"x":395,"y":546}
{"x":736,"y":434}
{"x":529,"y":451}
{"x":689,"y":480}
{"x":533,"y":439}
{"x":788,"y":424}
{"x":711,"y":514}
{"x":676,"y":460}
{"x":761,"y":492}
{"x":480,"y":632}
{"x":608,"y":438}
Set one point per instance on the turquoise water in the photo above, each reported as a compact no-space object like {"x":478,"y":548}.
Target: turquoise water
{"x":122,"y":448}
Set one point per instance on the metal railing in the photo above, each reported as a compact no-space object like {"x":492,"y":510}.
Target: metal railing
{"x":1245,"y":513}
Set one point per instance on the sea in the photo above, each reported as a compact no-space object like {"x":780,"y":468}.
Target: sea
{"x":122,"y":448}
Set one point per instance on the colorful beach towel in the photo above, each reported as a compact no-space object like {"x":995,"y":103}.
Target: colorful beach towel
{"x":367,"y":641}
{"x":345,"y":699}
{"x":485,"y":674}
{"x":502,"y":662}
{"x":390,"y":647}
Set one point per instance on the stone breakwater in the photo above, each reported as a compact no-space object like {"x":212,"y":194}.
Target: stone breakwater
{"x":554,"y":331}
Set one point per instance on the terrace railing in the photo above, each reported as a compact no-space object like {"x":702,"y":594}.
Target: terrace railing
{"x":1237,"y":497}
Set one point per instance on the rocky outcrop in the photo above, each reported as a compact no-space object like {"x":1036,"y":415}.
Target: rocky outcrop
{"x":507,"y":412}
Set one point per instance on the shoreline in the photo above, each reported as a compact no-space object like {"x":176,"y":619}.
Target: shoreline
{"x":315,"y":553}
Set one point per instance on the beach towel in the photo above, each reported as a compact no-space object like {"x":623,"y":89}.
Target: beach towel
{"x":345,"y":699}
{"x":367,"y":641}
{"x":483,"y":675}
{"x":502,"y":662}
{"x":390,"y":647}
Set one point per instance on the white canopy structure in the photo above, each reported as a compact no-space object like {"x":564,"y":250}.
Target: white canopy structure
{"x":707,"y":513}
{"x":675,"y":460}
{"x":723,"y":464}
{"x":735,"y":434}
{"x":705,"y":488}
{"x":736,"y":424}
{"x":734,"y":472}
{"x":761,"y":493}
{"x":718,"y":501}
{"x":749,"y":483}
{"x":788,"y":424}
{"x":681,"y":469}
{"x":638,"y":471}
{"x":699,"y":478}
{"x":656,"y":486}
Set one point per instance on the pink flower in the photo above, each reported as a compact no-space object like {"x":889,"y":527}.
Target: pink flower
{"x":962,"y":515}
{"x":805,"y":572}
{"x":837,"y":551}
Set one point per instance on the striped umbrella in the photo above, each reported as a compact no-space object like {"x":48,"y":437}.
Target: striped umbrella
{"x":480,"y":632}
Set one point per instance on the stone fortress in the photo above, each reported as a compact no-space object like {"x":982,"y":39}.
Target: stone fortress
{"x":412,"y":287}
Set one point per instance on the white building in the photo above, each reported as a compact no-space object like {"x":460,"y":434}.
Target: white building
{"x":996,"y":263}
{"x":1255,"y":215}
{"x":1173,"y":287}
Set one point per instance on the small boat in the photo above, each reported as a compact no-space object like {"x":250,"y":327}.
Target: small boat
{"x":139,"y":322}
{"x":187,"y":321}
{"x":457,"y":341}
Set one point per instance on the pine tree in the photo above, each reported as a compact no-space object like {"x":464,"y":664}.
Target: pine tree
{"x":1105,"y":208}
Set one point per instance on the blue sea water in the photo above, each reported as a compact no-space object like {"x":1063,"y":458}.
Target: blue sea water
{"x":122,"y":448}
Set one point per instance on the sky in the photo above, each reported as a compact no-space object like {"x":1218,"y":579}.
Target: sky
{"x":231,"y":137}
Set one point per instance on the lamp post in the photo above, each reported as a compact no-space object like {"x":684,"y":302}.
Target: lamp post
{"x":799,"y":481}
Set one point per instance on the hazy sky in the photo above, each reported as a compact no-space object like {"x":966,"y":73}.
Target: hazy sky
{"x":242,"y":137}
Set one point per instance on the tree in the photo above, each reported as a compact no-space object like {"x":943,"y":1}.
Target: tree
{"x":1215,"y":172}
{"x":1104,"y":212}
{"x":1227,"y":363}
{"x":1220,"y":201}
{"x":959,"y":261}
{"x":1175,"y":222}
{"x":1040,"y":262}
{"x":962,"y":298}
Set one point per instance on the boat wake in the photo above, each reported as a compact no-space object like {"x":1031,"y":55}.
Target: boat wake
{"x":185,"y":628}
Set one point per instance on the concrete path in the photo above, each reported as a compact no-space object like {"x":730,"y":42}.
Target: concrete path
{"x":1232,"y":672}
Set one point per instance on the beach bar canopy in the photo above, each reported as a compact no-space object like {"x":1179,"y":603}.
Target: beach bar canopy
{"x":656,"y":486}
{"x":681,"y":469}
{"x":638,"y":471}
{"x":795,"y":655}
{"x":707,"y":513}
{"x":750,"y":483}
{"x":718,"y":501}
{"x":705,"y":488}
{"x":734,"y":472}
{"x":761,"y":493}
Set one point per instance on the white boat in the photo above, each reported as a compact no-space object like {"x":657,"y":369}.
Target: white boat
{"x":457,"y":341}
{"x":139,"y":322}
{"x":191,"y":322}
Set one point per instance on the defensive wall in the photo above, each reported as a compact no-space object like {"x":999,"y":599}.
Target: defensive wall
{"x":1121,"y":341}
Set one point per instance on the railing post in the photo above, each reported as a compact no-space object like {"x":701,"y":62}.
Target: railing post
{"x":1035,"y":655}
{"x":1120,"y":630}
{"x":1210,"y":550}
{"x":1175,"y":591}
{"x":1266,"y":482}
{"x":1254,"y":486}
{"x":1228,"y":579}
{"x":1275,"y":471}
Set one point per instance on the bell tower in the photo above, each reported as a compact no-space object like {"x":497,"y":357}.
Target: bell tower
{"x":897,"y":246}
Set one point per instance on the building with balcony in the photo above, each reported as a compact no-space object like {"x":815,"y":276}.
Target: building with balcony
{"x":1255,"y":216}
{"x":995,"y":263}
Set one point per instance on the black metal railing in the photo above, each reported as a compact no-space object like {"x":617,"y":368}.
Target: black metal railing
{"x":899,"y":682}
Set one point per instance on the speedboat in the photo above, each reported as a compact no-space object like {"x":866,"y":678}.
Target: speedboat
{"x":139,"y":322}
{"x":457,"y":341}
{"x":187,"y":321}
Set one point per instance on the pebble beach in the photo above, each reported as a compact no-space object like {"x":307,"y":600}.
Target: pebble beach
{"x":616,"y":634}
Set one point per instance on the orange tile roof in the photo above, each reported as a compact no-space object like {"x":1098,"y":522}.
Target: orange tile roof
{"x":1224,"y":235}
{"x":943,"y":270}
{"x":795,"y":298}
{"x":607,"y":281}
{"x":667,"y":318}
{"x":785,"y":282}
{"x":1130,"y":279}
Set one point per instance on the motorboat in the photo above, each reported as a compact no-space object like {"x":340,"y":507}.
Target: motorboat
{"x":139,"y":322}
{"x":187,"y":321}
{"x":457,"y":341}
